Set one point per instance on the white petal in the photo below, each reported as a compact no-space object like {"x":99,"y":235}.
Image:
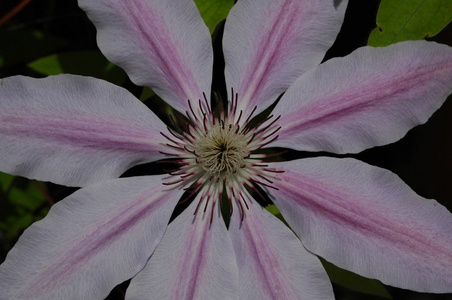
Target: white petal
{"x":163,"y":44}
{"x":74,"y":130}
{"x":366,"y":220}
{"x":273,"y":264}
{"x":369,"y":98}
{"x":195,"y":260}
{"x":90,"y":242}
{"x":268,"y":44}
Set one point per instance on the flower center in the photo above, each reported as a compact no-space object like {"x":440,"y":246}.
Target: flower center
{"x":216,"y":154}
{"x":222,"y":150}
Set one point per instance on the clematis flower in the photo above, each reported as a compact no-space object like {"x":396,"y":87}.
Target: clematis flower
{"x":85,"y":132}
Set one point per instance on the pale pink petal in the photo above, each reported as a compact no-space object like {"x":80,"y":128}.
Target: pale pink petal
{"x":91,"y":241}
{"x":194,"y":260}
{"x":273,"y":264}
{"x":366,"y":220}
{"x":163,"y":44}
{"x":371,"y":97}
{"x":74,"y":130}
{"x":268,"y":44}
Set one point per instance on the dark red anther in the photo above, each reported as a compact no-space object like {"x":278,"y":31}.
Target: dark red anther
{"x":272,"y":133}
{"x":252,"y":113}
{"x":192,"y":111}
{"x":244,"y":201}
{"x":274,"y":171}
{"x":173,"y":182}
{"x":207,"y":102}
{"x":212,"y":212}
{"x":193,"y":192}
{"x":168,"y":138}
{"x":238,"y":120}
{"x":191,"y":151}
{"x":265,"y":144}
{"x":265,"y":178}
{"x":169,"y":154}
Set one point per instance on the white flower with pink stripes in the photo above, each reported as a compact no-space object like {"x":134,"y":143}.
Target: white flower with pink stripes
{"x":85,"y":132}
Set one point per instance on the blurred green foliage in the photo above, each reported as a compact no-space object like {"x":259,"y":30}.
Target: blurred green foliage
{"x":22,"y":45}
{"x":86,"y":63}
{"x":213,"y":12}
{"x":401,"y":20}
{"x":22,"y":203}
{"x":355,"y":282}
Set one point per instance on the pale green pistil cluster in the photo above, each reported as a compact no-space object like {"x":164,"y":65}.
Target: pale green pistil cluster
{"x":222,"y":150}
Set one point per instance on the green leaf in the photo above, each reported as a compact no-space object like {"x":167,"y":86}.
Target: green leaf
{"x":87,"y":63}
{"x":21,"y":204}
{"x":275,"y":211}
{"x":401,"y":20}
{"x":213,"y":12}
{"x":355,"y":282}
{"x":5,"y":181}
{"x":19,"y":46}
{"x":146,"y":93}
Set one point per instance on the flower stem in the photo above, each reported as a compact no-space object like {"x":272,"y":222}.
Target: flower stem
{"x":14,"y":11}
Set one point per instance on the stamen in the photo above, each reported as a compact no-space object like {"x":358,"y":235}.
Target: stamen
{"x":265,"y":178}
{"x":176,"y":147}
{"x":200,"y":107}
{"x":168,"y":138}
{"x":244,"y":201}
{"x":207,"y":102}
{"x":215,"y":154}
{"x":252,"y":113}
{"x":212,"y":212}
{"x":238,"y":120}
{"x":173,"y":182}
{"x":242,"y":211}
{"x":191,"y":151}
{"x":192,"y":193}
{"x":271,"y":133}
{"x":232,"y":99}
{"x":169,"y":154}
{"x":273,"y":171}
{"x":192,"y":112}
{"x":265,"y":144}
{"x":269,"y":125}
{"x":264,"y":184}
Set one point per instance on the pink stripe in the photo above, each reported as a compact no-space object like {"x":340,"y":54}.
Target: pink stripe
{"x":77,"y":131}
{"x":193,"y":266}
{"x":367,"y":97}
{"x":199,"y":264}
{"x":104,"y":236}
{"x":340,"y":207}
{"x":270,"y":48}
{"x":157,"y":41}
{"x":265,"y":261}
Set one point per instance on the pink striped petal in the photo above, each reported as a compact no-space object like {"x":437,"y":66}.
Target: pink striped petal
{"x":371,"y":97}
{"x":195,"y":260}
{"x":163,"y":44}
{"x":89,"y":242}
{"x":273,"y":264}
{"x":268,"y":44}
{"x":74,"y":130}
{"x":366,"y":220}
